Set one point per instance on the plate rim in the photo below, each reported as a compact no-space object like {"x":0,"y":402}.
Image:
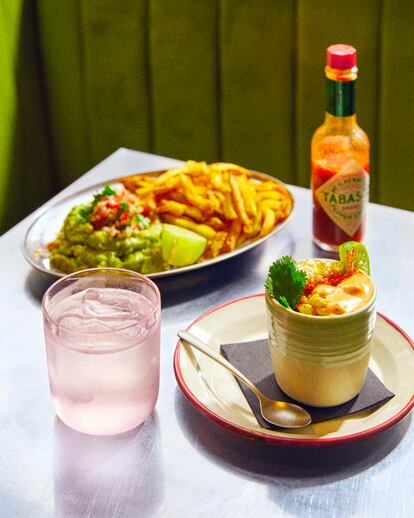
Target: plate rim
{"x":166,"y":273}
{"x":274,"y":439}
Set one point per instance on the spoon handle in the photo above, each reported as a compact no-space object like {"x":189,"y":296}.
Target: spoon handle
{"x":205,"y":349}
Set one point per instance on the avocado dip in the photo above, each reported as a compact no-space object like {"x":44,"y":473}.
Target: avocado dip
{"x":110,"y":231}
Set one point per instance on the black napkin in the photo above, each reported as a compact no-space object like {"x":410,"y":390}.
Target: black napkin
{"x":253,"y":360}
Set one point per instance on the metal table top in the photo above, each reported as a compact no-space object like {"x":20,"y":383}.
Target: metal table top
{"x":179,"y":464}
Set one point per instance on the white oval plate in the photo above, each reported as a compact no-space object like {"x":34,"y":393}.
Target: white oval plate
{"x":47,"y":222}
{"x":214,"y":392}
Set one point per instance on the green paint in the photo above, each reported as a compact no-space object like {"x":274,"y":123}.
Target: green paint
{"x":340,"y":97}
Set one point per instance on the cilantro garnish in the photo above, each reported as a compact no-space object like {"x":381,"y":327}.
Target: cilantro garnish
{"x":283,"y":301}
{"x":107,"y":191}
{"x":285,"y":282}
{"x":124,"y":207}
{"x":86,"y":211}
{"x":142,"y":220}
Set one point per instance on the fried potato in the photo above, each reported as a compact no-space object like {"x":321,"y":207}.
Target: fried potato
{"x":269,"y":219}
{"x":168,"y":175}
{"x":177,"y":196}
{"x":194,"y":197}
{"x":218,"y":181}
{"x":172,"y":207}
{"x":232,"y":168}
{"x":232,"y":236}
{"x":269,"y":195}
{"x":223,"y":202}
{"x":216,"y":245}
{"x":194,"y":213}
{"x":216,"y":223}
{"x":271,"y":204}
{"x":203,"y":230}
{"x":238,"y":200}
{"x":253,"y":228}
{"x":249,"y":194}
{"x":228,"y":208}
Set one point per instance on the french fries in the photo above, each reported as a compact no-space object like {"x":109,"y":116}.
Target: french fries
{"x":222,"y":202}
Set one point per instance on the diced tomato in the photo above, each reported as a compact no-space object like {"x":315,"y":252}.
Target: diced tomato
{"x":146,"y":211}
{"x":123,"y":219}
{"x":115,"y":210}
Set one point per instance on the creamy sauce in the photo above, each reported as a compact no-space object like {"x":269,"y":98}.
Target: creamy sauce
{"x":349,"y":295}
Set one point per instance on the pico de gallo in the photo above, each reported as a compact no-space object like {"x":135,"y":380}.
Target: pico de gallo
{"x":113,"y":230}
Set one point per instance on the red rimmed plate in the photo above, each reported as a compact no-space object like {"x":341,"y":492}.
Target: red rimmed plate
{"x":214,"y":392}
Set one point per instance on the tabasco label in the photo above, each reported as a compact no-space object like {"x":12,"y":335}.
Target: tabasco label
{"x":344,"y":197}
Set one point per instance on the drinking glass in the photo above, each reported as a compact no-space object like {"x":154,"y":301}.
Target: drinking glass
{"x":102,"y":334}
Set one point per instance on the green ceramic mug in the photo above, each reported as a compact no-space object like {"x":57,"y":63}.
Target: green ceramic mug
{"x":320,"y":360}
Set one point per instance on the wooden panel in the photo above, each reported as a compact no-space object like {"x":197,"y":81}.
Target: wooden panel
{"x":25,"y":165}
{"x":9,"y":23}
{"x":320,"y":24}
{"x":396,"y":130}
{"x":240,"y":81}
{"x":62,"y":56}
{"x":257,"y":84}
{"x":183,"y":65}
{"x":115,"y":89}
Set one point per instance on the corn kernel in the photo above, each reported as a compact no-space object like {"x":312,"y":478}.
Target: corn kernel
{"x":317,"y":301}
{"x":306,"y":309}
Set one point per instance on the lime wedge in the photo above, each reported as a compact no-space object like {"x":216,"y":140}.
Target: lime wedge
{"x":359,"y":255}
{"x":181,"y":247}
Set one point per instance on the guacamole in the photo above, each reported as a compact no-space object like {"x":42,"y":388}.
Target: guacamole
{"x":108,"y":232}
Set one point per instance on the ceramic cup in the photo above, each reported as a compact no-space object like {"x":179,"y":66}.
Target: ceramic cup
{"x":317,"y":360}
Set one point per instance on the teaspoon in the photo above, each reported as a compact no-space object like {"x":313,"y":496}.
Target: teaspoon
{"x":279,"y":413}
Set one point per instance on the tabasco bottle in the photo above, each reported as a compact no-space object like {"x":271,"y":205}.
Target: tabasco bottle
{"x":339,"y":158}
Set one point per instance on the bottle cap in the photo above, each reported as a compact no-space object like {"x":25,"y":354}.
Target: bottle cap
{"x":341,"y":57}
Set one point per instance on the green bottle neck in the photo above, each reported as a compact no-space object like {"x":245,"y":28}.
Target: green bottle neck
{"x":340,"y":97}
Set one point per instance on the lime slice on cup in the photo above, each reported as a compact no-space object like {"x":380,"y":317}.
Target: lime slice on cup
{"x":181,"y":247}
{"x":359,"y":256}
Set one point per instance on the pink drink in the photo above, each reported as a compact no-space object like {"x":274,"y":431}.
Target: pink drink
{"x":102,"y":345}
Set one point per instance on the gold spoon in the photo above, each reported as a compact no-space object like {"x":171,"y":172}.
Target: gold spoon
{"x":279,"y":413}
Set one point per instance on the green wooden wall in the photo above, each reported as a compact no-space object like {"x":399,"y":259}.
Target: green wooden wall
{"x":26,"y":155}
{"x":235,"y":80}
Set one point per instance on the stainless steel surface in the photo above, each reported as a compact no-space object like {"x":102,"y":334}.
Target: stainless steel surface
{"x":46,"y":223}
{"x":179,"y":464}
{"x":279,"y":413}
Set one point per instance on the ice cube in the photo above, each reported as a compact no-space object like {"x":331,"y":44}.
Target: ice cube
{"x":107,"y":304}
{"x":87,"y":324}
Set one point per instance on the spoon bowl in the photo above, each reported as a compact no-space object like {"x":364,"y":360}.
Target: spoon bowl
{"x":279,"y":413}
